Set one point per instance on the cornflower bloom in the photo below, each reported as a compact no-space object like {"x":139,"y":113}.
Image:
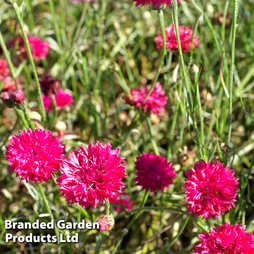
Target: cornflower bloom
{"x":155,"y":102}
{"x":155,"y":3}
{"x":91,"y":175}
{"x":153,"y":172}
{"x":210,"y":189}
{"x":185,"y":34}
{"x":226,"y":239}
{"x":34,"y":155}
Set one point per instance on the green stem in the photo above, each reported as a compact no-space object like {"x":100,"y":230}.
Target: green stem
{"x":31,"y":124}
{"x":55,"y":110}
{"x":51,"y":215}
{"x":107,"y":204}
{"x":149,"y":124}
{"x":7,"y":56}
{"x":22,"y":118}
{"x":231,"y":73}
{"x":175,"y":20}
{"x":41,"y":105}
{"x":145,"y":196}
{"x":161,"y":18}
{"x":176,"y":237}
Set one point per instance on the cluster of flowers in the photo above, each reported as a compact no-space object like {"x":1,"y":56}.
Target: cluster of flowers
{"x":90,"y":175}
{"x":51,"y":87}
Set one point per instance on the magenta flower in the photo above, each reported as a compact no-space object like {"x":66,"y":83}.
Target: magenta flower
{"x":155,"y":3}
{"x":39,"y":48}
{"x":210,"y":189}
{"x":185,"y":34}
{"x":226,"y":240}
{"x":156,"y":101}
{"x":6,"y":78}
{"x":91,"y":175}
{"x":62,"y":99}
{"x":4,"y":69}
{"x":33,"y":155}
{"x":153,"y":172}
{"x":121,"y":199}
{"x":18,"y":98}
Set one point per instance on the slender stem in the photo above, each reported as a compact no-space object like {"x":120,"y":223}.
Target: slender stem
{"x":41,"y":105}
{"x":21,"y":116}
{"x":145,"y":196}
{"x":55,"y":110}
{"x":31,"y":124}
{"x":149,"y":124}
{"x":107,"y":204}
{"x":161,"y":18}
{"x":51,"y":215}
{"x":231,"y":73}
{"x":175,"y":19}
{"x":7,"y":56}
{"x":176,"y":237}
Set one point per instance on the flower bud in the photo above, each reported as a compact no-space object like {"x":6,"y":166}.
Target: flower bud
{"x":18,"y":98}
{"x":7,"y":100}
{"x":106,"y":223}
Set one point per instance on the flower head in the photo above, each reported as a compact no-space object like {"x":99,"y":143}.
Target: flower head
{"x":153,"y":172}
{"x":106,"y":223}
{"x":155,"y":3}
{"x":210,"y":189}
{"x":33,"y":155}
{"x":122,"y":200}
{"x":226,"y":240}
{"x":49,"y":85}
{"x":4,"y":69}
{"x":91,"y":175}
{"x":155,"y":102}
{"x":6,"y":78}
{"x":62,"y":99}
{"x":185,"y":34}
{"x":39,"y":49}
{"x":18,"y":98}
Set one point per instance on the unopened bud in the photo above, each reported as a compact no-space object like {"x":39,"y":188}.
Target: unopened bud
{"x":18,"y":98}
{"x":106,"y":223}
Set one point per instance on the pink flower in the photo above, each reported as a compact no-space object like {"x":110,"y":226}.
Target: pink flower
{"x":6,"y":78}
{"x":18,"y":97}
{"x":153,"y":172}
{"x":39,"y":48}
{"x":155,"y":3}
{"x":171,"y":42}
{"x":91,"y":175}
{"x":210,"y":189}
{"x":156,"y":101}
{"x":4,"y":69}
{"x":226,"y":240}
{"x":62,"y":99}
{"x":122,"y":200}
{"x":33,"y":155}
